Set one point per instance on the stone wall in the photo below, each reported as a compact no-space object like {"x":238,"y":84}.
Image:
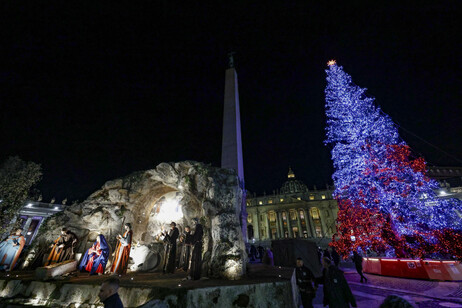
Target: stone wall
{"x":282,"y":293}
{"x":142,"y":198}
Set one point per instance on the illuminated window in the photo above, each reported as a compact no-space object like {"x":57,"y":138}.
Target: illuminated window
{"x":270,"y":201}
{"x":249,"y":219}
{"x":272,"y":216}
{"x":323,"y":197}
{"x":311,"y":197}
{"x":284,"y":216}
{"x":248,"y":203}
{"x":298,"y":198}
{"x":260,"y":202}
{"x":314,"y":212}
{"x":302,"y":214}
{"x":282,"y":200}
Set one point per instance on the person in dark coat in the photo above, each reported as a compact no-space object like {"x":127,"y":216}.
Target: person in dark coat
{"x":261,"y":252}
{"x":253,"y":253}
{"x":108,"y":293}
{"x":326,"y":254}
{"x":305,"y":280}
{"x":196,"y":256}
{"x":337,"y":292}
{"x":170,"y":248}
{"x":335,"y":256}
{"x":358,"y":261}
{"x":187,"y":247}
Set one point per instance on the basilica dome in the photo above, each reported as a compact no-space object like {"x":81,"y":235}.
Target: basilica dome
{"x":292,"y":185}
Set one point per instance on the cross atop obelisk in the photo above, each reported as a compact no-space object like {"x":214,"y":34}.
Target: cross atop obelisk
{"x":231,"y":150}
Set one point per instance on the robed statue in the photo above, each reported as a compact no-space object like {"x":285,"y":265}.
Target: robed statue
{"x":10,"y":249}
{"x":95,"y":258}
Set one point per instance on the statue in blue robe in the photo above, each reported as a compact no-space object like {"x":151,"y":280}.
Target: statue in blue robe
{"x":10,"y":249}
{"x":95,"y":258}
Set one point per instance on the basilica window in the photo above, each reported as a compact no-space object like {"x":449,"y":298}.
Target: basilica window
{"x":284,"y":216}
{"x":323,"y":197}
{"x":311,"y":197}
{"x":249,"y":219}
{"x":260,"y":202}
{"x":281,"y":200}
{"x":270,"y":201}
{"x":272,"y":216}
{"x":293,"y":215}
{"x":298,"y":198}
{"x":302,"y":214}
{"x":314,"y":212}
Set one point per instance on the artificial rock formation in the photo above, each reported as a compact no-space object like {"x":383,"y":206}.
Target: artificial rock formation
{"x":150,"y":200}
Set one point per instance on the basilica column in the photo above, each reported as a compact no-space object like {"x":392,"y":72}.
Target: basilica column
{"x":280,"y":225}
{"x":268,"y":225}
{"x":313,"y":226}
{"x":256,"y":229}
{"x":289,"y":226}
{"x":300,"y":232}
{"x":309,"y":231}
{"x":323,"y":222}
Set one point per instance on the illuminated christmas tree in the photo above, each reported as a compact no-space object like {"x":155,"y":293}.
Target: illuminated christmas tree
{"x":386,"y":202}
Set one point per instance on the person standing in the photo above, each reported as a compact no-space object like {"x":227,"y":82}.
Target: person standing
{"x":170,"y":248}
{"x":122,"y":251}
{"x":337,"y":292}
{"x":95,"y":258}
{"x":108,"y":293}
{"x":358,"y":261}
{"x":335,"y":256}
{"x":196,"y":257}
{"x":63,"y":247}
{"x":305,"y":280}
{"x":10,"y":249}
{"x":186,"y":254}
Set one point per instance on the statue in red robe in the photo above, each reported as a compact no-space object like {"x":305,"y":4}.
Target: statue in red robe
{"x":122,"y":251}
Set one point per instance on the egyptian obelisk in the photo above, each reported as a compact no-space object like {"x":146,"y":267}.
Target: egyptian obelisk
{"x":231,"y":150}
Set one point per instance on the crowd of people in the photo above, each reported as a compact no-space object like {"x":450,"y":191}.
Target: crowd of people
{"x":336,"y":291}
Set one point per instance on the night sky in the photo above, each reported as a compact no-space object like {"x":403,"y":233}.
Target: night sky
{"x":95,"y":92}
